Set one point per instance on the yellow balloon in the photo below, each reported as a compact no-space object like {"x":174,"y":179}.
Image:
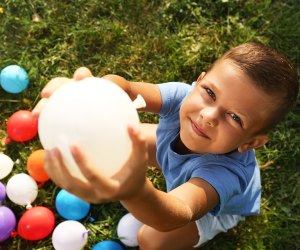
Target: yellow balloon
{"x":93,"y":113}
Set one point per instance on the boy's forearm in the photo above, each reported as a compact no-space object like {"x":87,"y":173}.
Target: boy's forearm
{"x":158,"y":209}
{"x":148,"y":91}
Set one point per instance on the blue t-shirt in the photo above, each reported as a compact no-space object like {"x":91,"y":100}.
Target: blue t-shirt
{"x":235,"y":176}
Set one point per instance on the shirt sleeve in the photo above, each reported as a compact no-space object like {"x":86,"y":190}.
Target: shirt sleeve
{"x":172,"y":94}
{"x":230,"y":179}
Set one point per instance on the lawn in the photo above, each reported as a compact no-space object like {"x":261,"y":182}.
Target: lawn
{"x":153,"y":41}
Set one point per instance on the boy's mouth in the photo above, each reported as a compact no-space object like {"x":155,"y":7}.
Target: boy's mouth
{"x":199,"y":131}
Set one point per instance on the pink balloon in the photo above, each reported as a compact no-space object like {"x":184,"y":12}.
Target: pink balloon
{"x":7,"y":223}
{"x":22,"y":126}
{"x":36,"y":223}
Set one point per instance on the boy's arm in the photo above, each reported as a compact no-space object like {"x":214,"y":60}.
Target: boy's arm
{"x":148,"y":91}
{"x":160,"y":210}
{"x":168,"y":211}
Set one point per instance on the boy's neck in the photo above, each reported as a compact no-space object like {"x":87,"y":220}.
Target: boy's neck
{"x":180,"y":148}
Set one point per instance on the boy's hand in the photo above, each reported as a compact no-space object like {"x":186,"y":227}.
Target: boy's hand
{"x":57,"y":82}
{"x":99,"y":188}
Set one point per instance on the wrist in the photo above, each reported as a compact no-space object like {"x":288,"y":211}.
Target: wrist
{"x":139,"y":194}
{"x":120,"y":81}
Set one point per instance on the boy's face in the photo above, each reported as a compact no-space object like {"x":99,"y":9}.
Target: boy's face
{"x":223,"y":112}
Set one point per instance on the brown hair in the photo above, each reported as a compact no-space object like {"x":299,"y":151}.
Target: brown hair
{"x":272,"y":72}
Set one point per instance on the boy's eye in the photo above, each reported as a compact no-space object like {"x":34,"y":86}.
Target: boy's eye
{"x":236,"y":118}
{"x":211,"y":93}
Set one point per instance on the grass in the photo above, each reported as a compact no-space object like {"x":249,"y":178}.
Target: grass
{"x":154,"y":41}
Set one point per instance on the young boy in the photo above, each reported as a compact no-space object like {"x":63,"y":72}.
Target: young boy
{"x":204,"y":144}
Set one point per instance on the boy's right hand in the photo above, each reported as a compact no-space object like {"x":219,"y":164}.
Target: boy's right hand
{"x":57,"y":82}
{"x":99,"y":188}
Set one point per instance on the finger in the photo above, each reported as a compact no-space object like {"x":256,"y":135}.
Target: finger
{"x":60,"y":175}
{"x":53,"y":85}
{"x":38,"y":108}
{"x":139,"y":153}
{"x":81,"y":160}
{"x":139,"y":142}
{"x":82,"y":73}
{"x":53,"y":167}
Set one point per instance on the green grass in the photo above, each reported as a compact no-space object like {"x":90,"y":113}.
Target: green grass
{"x":154,"y":41}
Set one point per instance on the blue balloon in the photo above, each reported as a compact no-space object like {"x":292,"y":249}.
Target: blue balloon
{"x":108,"y":245}
{"x":14,"y":79}
{"x":70,"y":206}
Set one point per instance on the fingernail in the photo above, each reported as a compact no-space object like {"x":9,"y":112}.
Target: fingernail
{"x":45,"y":93}
{"x":34,"y":112}
{"x":135,"y":129}
{"x":73,"y":148}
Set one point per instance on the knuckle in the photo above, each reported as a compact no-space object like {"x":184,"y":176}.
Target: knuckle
{"x":91,"y":176}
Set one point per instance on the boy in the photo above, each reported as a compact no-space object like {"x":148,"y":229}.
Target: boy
{"x":204,"y":144}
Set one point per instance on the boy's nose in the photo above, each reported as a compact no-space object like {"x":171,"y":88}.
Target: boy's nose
{"x":209,"y":116}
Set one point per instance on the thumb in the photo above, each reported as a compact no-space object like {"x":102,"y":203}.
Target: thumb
{"x":82,"y":73}
{"x":139,"y":143}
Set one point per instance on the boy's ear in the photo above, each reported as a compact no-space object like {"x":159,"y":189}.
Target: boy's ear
{"x":201,"y":76}
{"x":254,"y":142}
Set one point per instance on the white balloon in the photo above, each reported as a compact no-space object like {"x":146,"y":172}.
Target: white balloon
{"x":95,"y":114}
{"x":69,"y":235}
{"x":22,"y":189}
{"x":6,"y":165}
{"x":127,"y":230}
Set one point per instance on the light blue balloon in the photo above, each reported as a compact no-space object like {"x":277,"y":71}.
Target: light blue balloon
{"x":70,"y":206}
{"x":108,"y":245}
{"x":14,"y":79}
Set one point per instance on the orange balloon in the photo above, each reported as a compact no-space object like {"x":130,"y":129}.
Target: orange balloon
{"x":35,"y":166}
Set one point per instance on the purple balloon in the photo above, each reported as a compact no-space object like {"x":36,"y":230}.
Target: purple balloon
{"x":2,"y":192}
{"x":7,"y":222}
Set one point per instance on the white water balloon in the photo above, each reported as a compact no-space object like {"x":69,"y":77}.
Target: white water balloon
{"x":93,"y":113}
{"x":22,"y":189}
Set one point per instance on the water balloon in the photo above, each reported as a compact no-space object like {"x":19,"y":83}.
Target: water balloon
{"x":35,"y":166}
{"x":108,"y":245}
{"x":70,"y":206}
{"x":6,"y":165}
{"x":95,"y":114}
{"x":69,"y":235}
{"x":22,"y":189}
{"x":7,"y":222}
{"x":36,"y":223}
{"x":22,"y":126}
{"x":14,"y":79}
{"x":2,"y":192}
{"x":127,"y":230}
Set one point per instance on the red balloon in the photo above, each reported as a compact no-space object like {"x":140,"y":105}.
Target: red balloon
{"x":36,"y":223}
{"x":22,"y":126}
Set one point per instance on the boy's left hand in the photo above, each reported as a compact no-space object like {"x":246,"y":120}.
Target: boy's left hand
{"x":99,"y":188}
{"x":55,"y":84}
